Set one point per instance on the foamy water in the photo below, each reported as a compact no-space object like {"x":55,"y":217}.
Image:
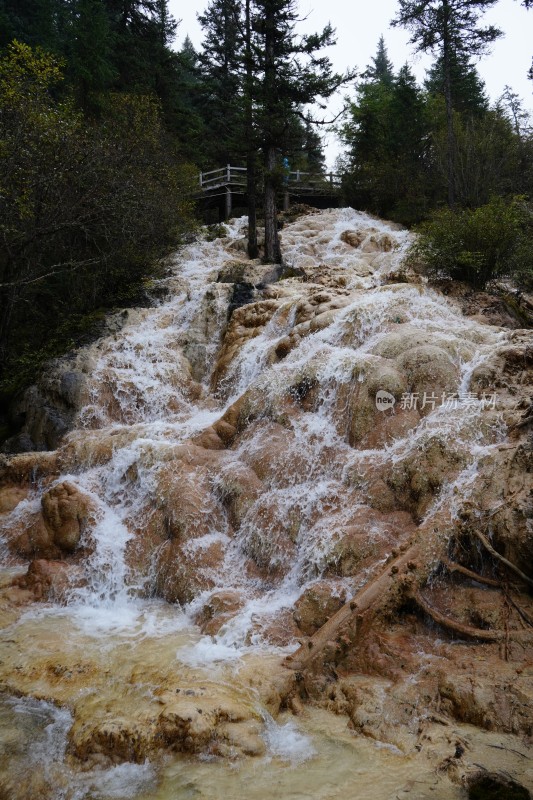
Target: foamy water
{"x":140,"y":392}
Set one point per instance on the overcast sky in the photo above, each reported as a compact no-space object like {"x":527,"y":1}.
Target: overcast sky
{"x":359,"y":26}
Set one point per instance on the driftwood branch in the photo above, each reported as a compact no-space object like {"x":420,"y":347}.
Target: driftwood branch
{"x":521,"y":424}
{"x":361,"y":602}
{"x":485,"y":542}
{"x":452,"y":566}
{"x":453,"y":625}
{"x":524,"y":615}
{"x":402,"y":569}
{"x":527,"y":417}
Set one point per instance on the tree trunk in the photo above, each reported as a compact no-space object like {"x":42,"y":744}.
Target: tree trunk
{"x":272,"y":245}
{"x":450,"y":134}
{"x":253,"y":250}
{"x":7,"y":303}
{"x":369,"y":595}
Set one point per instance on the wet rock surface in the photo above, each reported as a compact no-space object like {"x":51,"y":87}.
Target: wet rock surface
{"x":313,"y":493}
{"x":56,"y":529}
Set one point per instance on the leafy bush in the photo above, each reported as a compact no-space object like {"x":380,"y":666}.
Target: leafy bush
{"x":476,"y":246}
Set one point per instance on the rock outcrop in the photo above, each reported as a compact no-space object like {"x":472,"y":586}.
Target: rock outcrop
{"x":334,"y":460}
{"x":56,"y":529}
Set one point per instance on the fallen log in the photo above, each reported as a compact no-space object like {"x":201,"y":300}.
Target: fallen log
{"x":360,"y":603}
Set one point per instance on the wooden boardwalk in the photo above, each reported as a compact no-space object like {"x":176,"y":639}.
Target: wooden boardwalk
{"x":229,"y":181}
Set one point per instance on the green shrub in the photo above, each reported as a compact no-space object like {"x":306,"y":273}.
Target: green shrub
{"x":87,"y":208}
{"x":475,"y":246}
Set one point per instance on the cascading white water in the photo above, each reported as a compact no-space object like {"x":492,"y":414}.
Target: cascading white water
{"x":145,"y":403}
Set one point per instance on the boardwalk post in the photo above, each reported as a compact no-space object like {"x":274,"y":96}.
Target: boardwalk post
{"x":286,"y":200}
{"x":228,"y":192}
{"x":228,"y":202}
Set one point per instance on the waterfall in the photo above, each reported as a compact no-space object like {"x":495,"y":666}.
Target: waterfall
{"x":236,"y":465}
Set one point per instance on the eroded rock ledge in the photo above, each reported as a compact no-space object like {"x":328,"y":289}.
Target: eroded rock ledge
{"x":410,"y":534}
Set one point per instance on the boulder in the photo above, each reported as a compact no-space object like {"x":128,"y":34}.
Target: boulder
{"x":10,"y":497}
{"x":67,"y":513}
{"x":500,"y":507}
{"x":206,"y":328}
{"x":402,"y":338}
{"x":56,"y":530}
{"x":49,"y":407}
{"x":317,"y":604}
{"x":26,"y":469}
{"x":368,"y":536}
{"x":268,"y":534}
{"x":353,"y":238}
{"x":51,"y":580}
{"x":429,"y":371}
{"x":219,"y":608}
{"x":182,"y":572}
{"x":269,"y":449}
{"x":185,"y":496}
{"x":368,"y":240}
{"x":249,"y":273}
{"x":246,"y":323}
{"x":417,"y":478}
{"x":238,"y":488}
{"x":234,"y":738}
{"x":358,"y":415}
{"x":493,"y":705}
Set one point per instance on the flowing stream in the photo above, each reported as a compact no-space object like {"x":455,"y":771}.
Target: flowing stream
{"x":154,"y":387}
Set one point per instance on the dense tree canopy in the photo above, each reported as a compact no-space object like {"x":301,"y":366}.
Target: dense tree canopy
{"x":387,"y":137}
{"x":261,"y":76}
{"x":396,"y":135}
{"x":450,"y":29}
{"x":84,"y":207}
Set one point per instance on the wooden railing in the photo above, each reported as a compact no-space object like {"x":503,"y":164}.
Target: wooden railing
{"x":235,"y":177}
{"x":225,"y":176}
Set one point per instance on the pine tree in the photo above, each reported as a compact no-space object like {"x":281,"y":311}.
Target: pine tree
{"x":250,"y":132}
{"x":387,"y":136}
{"x":34,"y":22}
{"x":411,"y":147}
{"x":184,"y":110}
{"x":90,"y":50}
{"x":467,"y":88}
{"x":381,"y":69}
{"x":222,"y":60}
{"x":143,"y":31}
{"x":450,"y":29}
{"x":289,"y":74}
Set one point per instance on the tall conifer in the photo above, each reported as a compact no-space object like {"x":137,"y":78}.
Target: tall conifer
{"x":450,"y":29}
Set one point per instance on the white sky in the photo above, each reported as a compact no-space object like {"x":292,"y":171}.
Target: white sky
{"x":359,"y":25}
